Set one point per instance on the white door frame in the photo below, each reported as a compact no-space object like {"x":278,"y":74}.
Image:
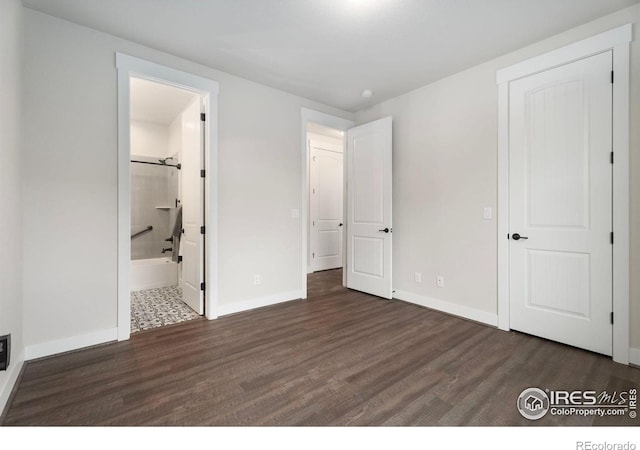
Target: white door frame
{"x":309,"y":115}
{"x":618,"y":41}
{"x":128,"y":66}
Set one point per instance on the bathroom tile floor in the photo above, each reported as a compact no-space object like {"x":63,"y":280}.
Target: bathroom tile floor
{"x":153,"y":308}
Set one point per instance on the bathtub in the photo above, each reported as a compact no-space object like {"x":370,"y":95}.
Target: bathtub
{"x":153,"y":273}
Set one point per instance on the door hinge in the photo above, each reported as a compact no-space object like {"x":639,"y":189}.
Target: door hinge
{"x":611,"y":158}
{"x":611,"y":237}
{"x":313,"y":255}
{"x":612,"y":77}
{"x":202,"y":286}
{"x":202,"y":173}
{"x":611,"y":317}
{"x":203,"y":117}
{"x":314,"y":223}
{"x":202,"y":229}
{"x":179,"y":258}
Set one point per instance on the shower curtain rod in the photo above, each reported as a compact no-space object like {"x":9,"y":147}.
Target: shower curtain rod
{"x":177,"y":166}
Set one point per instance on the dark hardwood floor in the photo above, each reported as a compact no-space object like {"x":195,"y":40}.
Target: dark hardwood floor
{"x":339,"y":358}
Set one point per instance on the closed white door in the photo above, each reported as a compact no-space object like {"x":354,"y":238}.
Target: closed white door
{"x":560,"y":204}
{"x":369,"y":213}
{"x":191,"y":243}
{"x":326,"y":206}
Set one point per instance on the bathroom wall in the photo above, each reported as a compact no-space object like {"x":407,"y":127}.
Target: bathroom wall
{"x":150,"y":205}
{"x":149,"y":139}
{"x":153,"y":190}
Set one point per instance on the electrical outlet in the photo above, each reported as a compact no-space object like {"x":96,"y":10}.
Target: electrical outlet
{"x":418,"y":277}
{"x":257,"y":280}
{"x":440,"y":281}
{"x":295,"y":213}
{"x":5,"y":350}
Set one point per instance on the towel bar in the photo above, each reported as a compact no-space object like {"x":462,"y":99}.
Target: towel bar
{"x":149,"y":228}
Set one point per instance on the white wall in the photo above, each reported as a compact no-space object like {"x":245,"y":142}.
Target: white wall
{"x":10,"y":191}
{"x":445,"y":172}
{"x":175,"y":138}
{"x":149,"y":139}
{"x":71,"y":182}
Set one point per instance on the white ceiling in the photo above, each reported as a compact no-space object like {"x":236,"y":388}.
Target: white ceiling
{"x":331,"y":50}
{"x":156,"y":102}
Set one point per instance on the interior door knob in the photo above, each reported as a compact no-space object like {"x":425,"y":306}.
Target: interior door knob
{"x":517,"y":237}
{"x":386,"y":230}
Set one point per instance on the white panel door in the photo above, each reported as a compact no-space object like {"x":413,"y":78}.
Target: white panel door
{"x":326,"y":206}
{"x":369,"y":213}
{"x":191,"y":243}
{"x":560,"y":204}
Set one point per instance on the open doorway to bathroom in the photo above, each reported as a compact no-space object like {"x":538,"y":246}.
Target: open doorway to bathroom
{"x":167,"y":204}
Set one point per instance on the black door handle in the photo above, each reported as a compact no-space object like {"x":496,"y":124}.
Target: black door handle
{"x":517,"y":237}
{"x":386,"y":230}
{"x":340,"y":224}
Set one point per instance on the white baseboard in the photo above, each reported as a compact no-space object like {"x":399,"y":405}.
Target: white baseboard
{"x":448,"y":307}
{"x":12,"y":376}
{"x":247,"y":305}
{"x":70,"y":343}
{"x":634,"y":356}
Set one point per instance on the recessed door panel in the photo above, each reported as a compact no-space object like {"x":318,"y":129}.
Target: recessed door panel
{"x":558,"y":155}
{"x":370,"y":261}
{"x":559,"y":282}
{"x":367,"y":180}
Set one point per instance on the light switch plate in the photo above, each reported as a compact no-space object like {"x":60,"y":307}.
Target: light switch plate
{"x":295,"y":213}
{"x":487,"y":213}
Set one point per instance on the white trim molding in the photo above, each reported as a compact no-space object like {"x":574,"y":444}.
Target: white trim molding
{"x":70,"y":343}
{"x":12,"y":378}
{"x":127,"y":67}
{"x":444,"y":306}
{"x":309,"y":115}
{"x":618,"y":41}
{"x":261,"y":302}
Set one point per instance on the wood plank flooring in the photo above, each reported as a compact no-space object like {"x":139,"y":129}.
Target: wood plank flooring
{"x":339,"y":358}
